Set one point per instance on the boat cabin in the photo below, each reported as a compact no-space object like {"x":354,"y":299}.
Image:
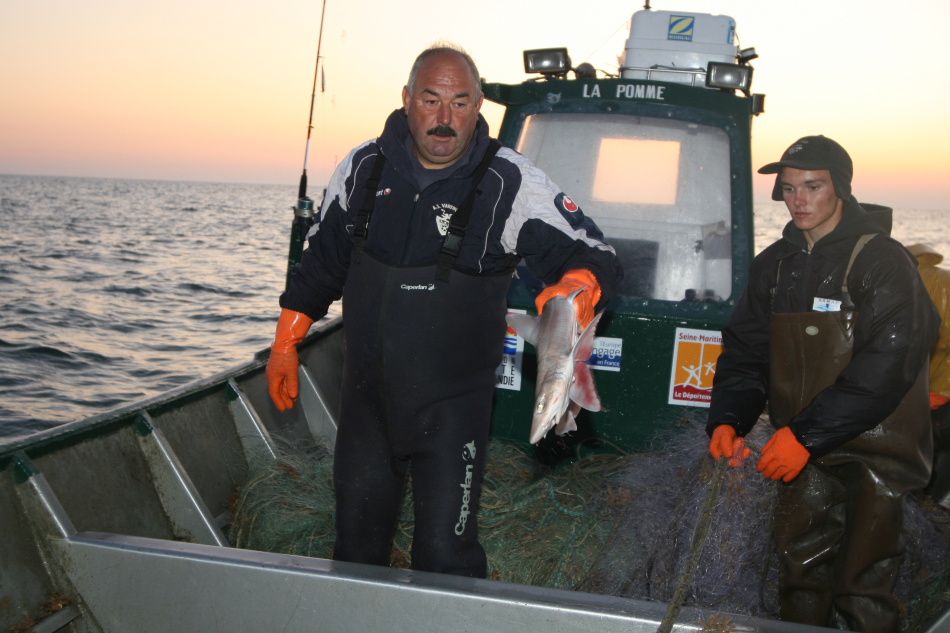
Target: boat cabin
{"x":659,"y":156}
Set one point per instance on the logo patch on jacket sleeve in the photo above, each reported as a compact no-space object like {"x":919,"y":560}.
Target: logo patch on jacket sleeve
{"x":565,"y":203}
{"x":569,"y":210}
{"x":575,"y":216}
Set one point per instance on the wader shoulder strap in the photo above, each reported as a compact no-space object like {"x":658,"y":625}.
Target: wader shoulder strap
{"x":452,"y":243}
{"x":846,"y":302}
{"x":367,"y":202}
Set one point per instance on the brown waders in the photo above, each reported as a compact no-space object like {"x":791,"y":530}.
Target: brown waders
{"x":837,"y":526}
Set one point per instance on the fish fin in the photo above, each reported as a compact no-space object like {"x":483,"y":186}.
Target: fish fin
{"x":567,"y":423}
{"x":584,"y":345}
{"x":583,"y":389}
{"x":525,"y":325}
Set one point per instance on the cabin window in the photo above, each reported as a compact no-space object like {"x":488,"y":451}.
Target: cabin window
{"x":636,"y":171}
{"x":660,"y":190}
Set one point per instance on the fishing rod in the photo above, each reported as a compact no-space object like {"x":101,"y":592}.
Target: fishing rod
{"x":303,"y":210}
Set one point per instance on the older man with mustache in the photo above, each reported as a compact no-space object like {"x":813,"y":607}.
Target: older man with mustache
{"x":420,"y":232}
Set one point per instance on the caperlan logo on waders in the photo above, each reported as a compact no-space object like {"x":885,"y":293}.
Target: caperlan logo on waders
{"x":468,"y":454}
{"x":417,"y":286}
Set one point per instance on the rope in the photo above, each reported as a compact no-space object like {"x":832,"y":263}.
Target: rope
{"x":699,"y":539}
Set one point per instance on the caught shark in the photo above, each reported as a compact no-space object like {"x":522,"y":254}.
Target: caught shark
{"x":565,"y":383}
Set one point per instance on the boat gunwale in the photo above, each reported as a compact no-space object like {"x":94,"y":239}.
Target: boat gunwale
{"x":69,"y":433}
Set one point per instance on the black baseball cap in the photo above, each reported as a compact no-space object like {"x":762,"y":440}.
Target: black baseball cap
{"x":811,"y":153}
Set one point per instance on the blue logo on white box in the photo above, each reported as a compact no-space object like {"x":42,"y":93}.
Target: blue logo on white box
{"x":681,"y":28}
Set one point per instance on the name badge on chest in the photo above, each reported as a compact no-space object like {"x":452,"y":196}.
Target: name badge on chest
{"x":826,"y":305}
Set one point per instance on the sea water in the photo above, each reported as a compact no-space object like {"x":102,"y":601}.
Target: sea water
{"x":116,"y":290}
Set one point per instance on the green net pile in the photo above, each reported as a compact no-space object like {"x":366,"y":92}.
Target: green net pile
{"x":613,"y":524}
{"x":538,"y":525}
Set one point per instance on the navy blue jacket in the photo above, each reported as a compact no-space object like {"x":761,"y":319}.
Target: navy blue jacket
{"x":518,"y":213}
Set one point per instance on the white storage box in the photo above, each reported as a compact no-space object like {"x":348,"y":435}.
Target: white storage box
{"x":677,"y":41}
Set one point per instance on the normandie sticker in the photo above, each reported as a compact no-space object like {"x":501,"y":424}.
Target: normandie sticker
{"x":694,"y":363}
{"x":508,"y":372}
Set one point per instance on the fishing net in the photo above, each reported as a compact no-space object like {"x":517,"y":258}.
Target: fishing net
{"x":557,"y":514}
{"x":623,"y":525}
{"x":654,"y":532}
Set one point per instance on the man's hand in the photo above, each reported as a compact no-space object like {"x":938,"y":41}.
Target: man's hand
{"x":282,"y":382}
{"x":725,"y":444}
{"x":577,"y":279}
{"x":783,"y":456}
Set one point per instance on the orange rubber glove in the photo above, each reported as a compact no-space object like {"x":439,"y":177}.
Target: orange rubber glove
{"x":725,"y":443}
{"x":937,"y":400}
{"x":282,"y":381}
{"x":579,"y":278}
{"x":783,"y":456}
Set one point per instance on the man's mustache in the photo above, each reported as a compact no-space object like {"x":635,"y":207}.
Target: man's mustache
{"x":441,"y":130}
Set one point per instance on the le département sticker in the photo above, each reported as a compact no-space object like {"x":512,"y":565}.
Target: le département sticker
{"x":694,"y":364}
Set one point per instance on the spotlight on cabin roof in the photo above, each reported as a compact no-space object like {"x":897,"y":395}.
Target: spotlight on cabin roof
{"x":729,"y":76}
{"x":550,"y":62}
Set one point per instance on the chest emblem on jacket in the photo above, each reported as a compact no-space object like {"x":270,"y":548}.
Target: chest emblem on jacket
{"x":443,"y":215}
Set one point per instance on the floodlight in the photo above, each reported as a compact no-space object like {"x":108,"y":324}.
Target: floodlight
{"x":550,"y":62}
{"x":728,"y":76}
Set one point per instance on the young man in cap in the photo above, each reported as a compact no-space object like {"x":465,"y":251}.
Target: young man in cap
{"x":833,"y":331}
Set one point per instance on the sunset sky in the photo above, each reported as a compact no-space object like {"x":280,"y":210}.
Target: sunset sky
{"x":211,"y":90}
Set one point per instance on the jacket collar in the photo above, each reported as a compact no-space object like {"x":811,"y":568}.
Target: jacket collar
{"x":854,"y":222}
{"x":396,"y":144}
